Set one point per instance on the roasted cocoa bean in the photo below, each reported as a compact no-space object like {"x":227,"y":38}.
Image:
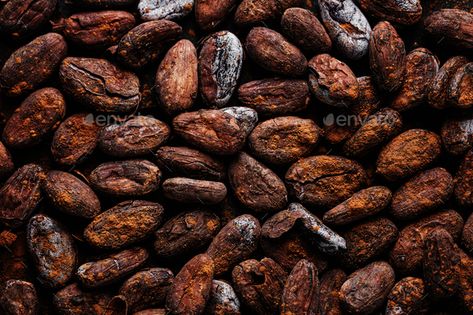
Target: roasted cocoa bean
{"x":19,"y":17}
{"x":330,"y":284}
{"x":421,"y":68}
{"x":137,"y":136}
{"x":284,"y":140}
{"x":70,"y":195}
{"x":362,"y":204}
{"x":164,"y":9}
{"x":250,"y":12}
{"x":31,"y":65}
{"x":72,"y":300}
{"x":347,"y":26}
{"x":220,"y":62}
{"x":274,"y":97}
{"x":256,"y":186}
{"x":125,"y":224}
{"x":177,"y":78}
{"x":235,"y":242}
{"x":273,"y":52}
{"x":367,"y":241}
{"x":460,"y":88}
{"x":188,"y":190}
{"x":146,"y":288}
{"x":96,"y":30}
{"x":186,"y":233}
{"x":464,"y":181}
{"x":457,"y":135}
{"x":387,"y":57}
{"x":366,"y":289}
{"x":406,"y":255}
{"x":143,"y":44}
{"x":467,"y":234}
{"x":305,"y":30}
{"x":100,"y":84}
{"x":191,"y":288}
{"x":260,"y":284}
{"x":126,"y":178}
{"x":111,"y":269}
{"x":19,"y":298}
{"x":408,"y":153}
{"x":402,"y":12}
{"x":439,"y":90}
{"x":6,"y":163}
{"x":52,"y":250}
{"x":189,"y":162}
{"x":20,"y":195}
{"x":453,"y":25}
{"x":324,"y":180}
{"x":332,"y":81}
{"x":406,"y":297}
{"x":301,"y":291}
{"x":223,"y":300}
{"x":38,"y":115}
{"x":210,"y":13}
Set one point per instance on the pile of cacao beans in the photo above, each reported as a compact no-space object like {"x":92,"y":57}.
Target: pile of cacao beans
{"x":229,"y":157}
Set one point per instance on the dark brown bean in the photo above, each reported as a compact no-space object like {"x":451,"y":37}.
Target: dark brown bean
{"x":406,"y":255}
{"x":452,"y":24}
{"x":332,"y":81}
{"x":235,"y":242}
{"x":440,"y":264}
{"x":164,"y":9}
{"x":139,"y":135}
{"x":223,"y":300}
{"x":124,"y":224}
{"x":189,"y":162}
{"x":210,"y":13}
{"x":301,"y":291}
{"x":325,"y":180}
{"x":347,"y":26}
{"x":426,"y":191}
{"x":188,"y":190}
{"x":406,"y":297}
{"x":330,"y":284}
{"x":273,"y":52}
{"x":408,"y":153}
{"x":421,"y":68}
{"x":31,"y":65}
{"x":305,"y":30}
{"x":70,"y":195}
{"x":111,"y":269}
{"x":20,"y":195}
{"x":457,"y":134}
{"x":177,"y":78}
{"x":75,"y":139}
{"x":467,"y":234}
{"x":260,"y":284}
{"x":274,"y":97}
{"x":256,"y":186}
{"x":52,"y":250}
{"x":19,"y":17}
{"x":72,"y":300}
{"x":402,"y":12}
{"x":186,"y":233}
{"x":367,"y":241}
{"x":6,"y":163}
{"x":99,"y":84}
{"x":38,"y":115}
{"x":438,"y":91}
{"x":464,"y":181}
{"x":126,"y":178}
{"x":191,"y":288}
{"x":212,"y":130}
{"x":143,"y":44}
{"x":146,"y":288}
{"x":387,"y":57}
{"x":461,"y":86}
{"x":375,"y":131}
{"x":250,"y":12}
{"x":366,"y":289}
{"x":362,"y":204}
{"x":19,"y":298}
{"x":220,"y":62}
{"x":96,"y":30}
{"x":284,"y":140}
